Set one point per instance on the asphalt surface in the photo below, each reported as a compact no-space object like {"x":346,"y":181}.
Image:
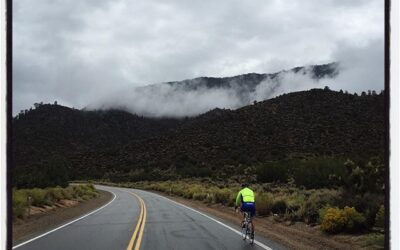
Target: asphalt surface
{"x":165,"y":224}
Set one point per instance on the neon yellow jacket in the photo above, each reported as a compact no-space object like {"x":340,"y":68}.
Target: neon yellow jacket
{"x":245,"y":195}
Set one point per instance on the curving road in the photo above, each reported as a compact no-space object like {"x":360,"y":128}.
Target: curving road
{"x":137,"y":219}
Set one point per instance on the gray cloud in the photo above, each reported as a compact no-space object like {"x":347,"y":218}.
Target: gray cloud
{"x":84,"y":52}
{"x":179,"y":100}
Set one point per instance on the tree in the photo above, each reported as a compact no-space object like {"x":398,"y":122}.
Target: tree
{"x":272,"y":172}
{"x":327,"y":88}
{"x":55,"y":171}
{"x":366,"y":176}
{"x":55,"y":102}
{"x":36,"y":105}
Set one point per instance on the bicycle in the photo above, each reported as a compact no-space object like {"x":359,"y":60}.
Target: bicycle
{"x":247,"y":228}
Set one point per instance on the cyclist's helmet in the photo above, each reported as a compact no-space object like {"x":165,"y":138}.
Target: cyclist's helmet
{"x":244,"y":185}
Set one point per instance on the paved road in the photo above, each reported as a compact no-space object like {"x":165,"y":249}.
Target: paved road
{"x":158,"y":223}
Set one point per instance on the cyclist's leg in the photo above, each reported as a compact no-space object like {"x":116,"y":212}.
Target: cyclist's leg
{"x":253,"y":228}
{"x":252,"y":214}
{"x":243,"y":216}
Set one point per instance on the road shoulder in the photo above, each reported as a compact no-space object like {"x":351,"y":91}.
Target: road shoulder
{"x":297,"y":236}
{"x":41,"y":223}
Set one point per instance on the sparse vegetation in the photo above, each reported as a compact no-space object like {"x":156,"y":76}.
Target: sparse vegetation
{"x":329,"y":207}
{"x":22,"y":198}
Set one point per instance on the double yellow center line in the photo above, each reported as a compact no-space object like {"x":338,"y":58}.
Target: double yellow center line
{"x":138,"y":233}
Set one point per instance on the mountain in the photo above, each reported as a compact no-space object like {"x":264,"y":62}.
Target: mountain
{"x":118,"y":145}
{"x":196,"y":96}
{"x":251,"y":80}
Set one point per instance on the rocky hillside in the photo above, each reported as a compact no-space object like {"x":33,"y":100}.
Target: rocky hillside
{"x":115,"y":144}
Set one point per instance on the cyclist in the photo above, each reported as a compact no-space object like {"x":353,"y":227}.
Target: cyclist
{"x":247,"y":199}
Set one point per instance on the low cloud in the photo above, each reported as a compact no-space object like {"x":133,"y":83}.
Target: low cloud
{"x":179,"y":100}
{"x":359,"y":69}
{"x":79,"y":52}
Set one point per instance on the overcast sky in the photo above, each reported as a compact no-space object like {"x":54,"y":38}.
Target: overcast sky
{"x":77,"y":52}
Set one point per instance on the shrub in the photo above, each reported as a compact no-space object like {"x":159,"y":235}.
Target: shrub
{"x":295,"y":201}
{"x":320,"y":173}
{"x":232,"y":199}
{"x":222,"y":196}
{"x":333,"y":221}
{"x":38,"y":196}
{"x":210,"y":198}
{"x":336,"y":220}
{"x":309,"y":210}
{"x":367,"y":203}
{"x":279,"y":206}
{"x":355,"y":220}
{"x":53,"y":195}
{"x":380,"y":217}
{"x":321,"y":213}
{"x":366,"y":176}
{"x":272,"y":172}
{"x":264,"y":204}
{"x":19,"y":203}
{"x":199,"y":196}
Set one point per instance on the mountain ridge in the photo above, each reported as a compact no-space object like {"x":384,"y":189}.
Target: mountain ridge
{"x":118,"y":145}
{"x":196,"y":96}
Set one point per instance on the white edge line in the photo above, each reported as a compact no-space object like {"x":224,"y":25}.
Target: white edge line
{"x":217,"y":221}
{"x":55,"y":229}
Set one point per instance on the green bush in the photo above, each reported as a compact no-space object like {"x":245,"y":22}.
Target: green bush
{"x":55,"y":193}
{"x":272,"y":172}
{"x":334,"y":220}
{"x":66,"y":193}
{"x":337,"y":220}
{"x":210,"y":198}
{"x":380,"y":217}
{"x":264,"y":204}
{"x":366,"y":176}
{"x":321,"y":213}
{"x":279,"y":206}
{"x":19,"y":203}
{"x":367,"y":203}
{"x":309,"y":210}
{"x":232,"y":199}
{"x":38,"y":196}
{"x":78,"y":190}
{"x":48,"y":196}
{"x":355,"y":220}
{"x":199,"y":196}
{"x":320,"y":173}
{"x":222,"y":196}
{"x":295,"y":201}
